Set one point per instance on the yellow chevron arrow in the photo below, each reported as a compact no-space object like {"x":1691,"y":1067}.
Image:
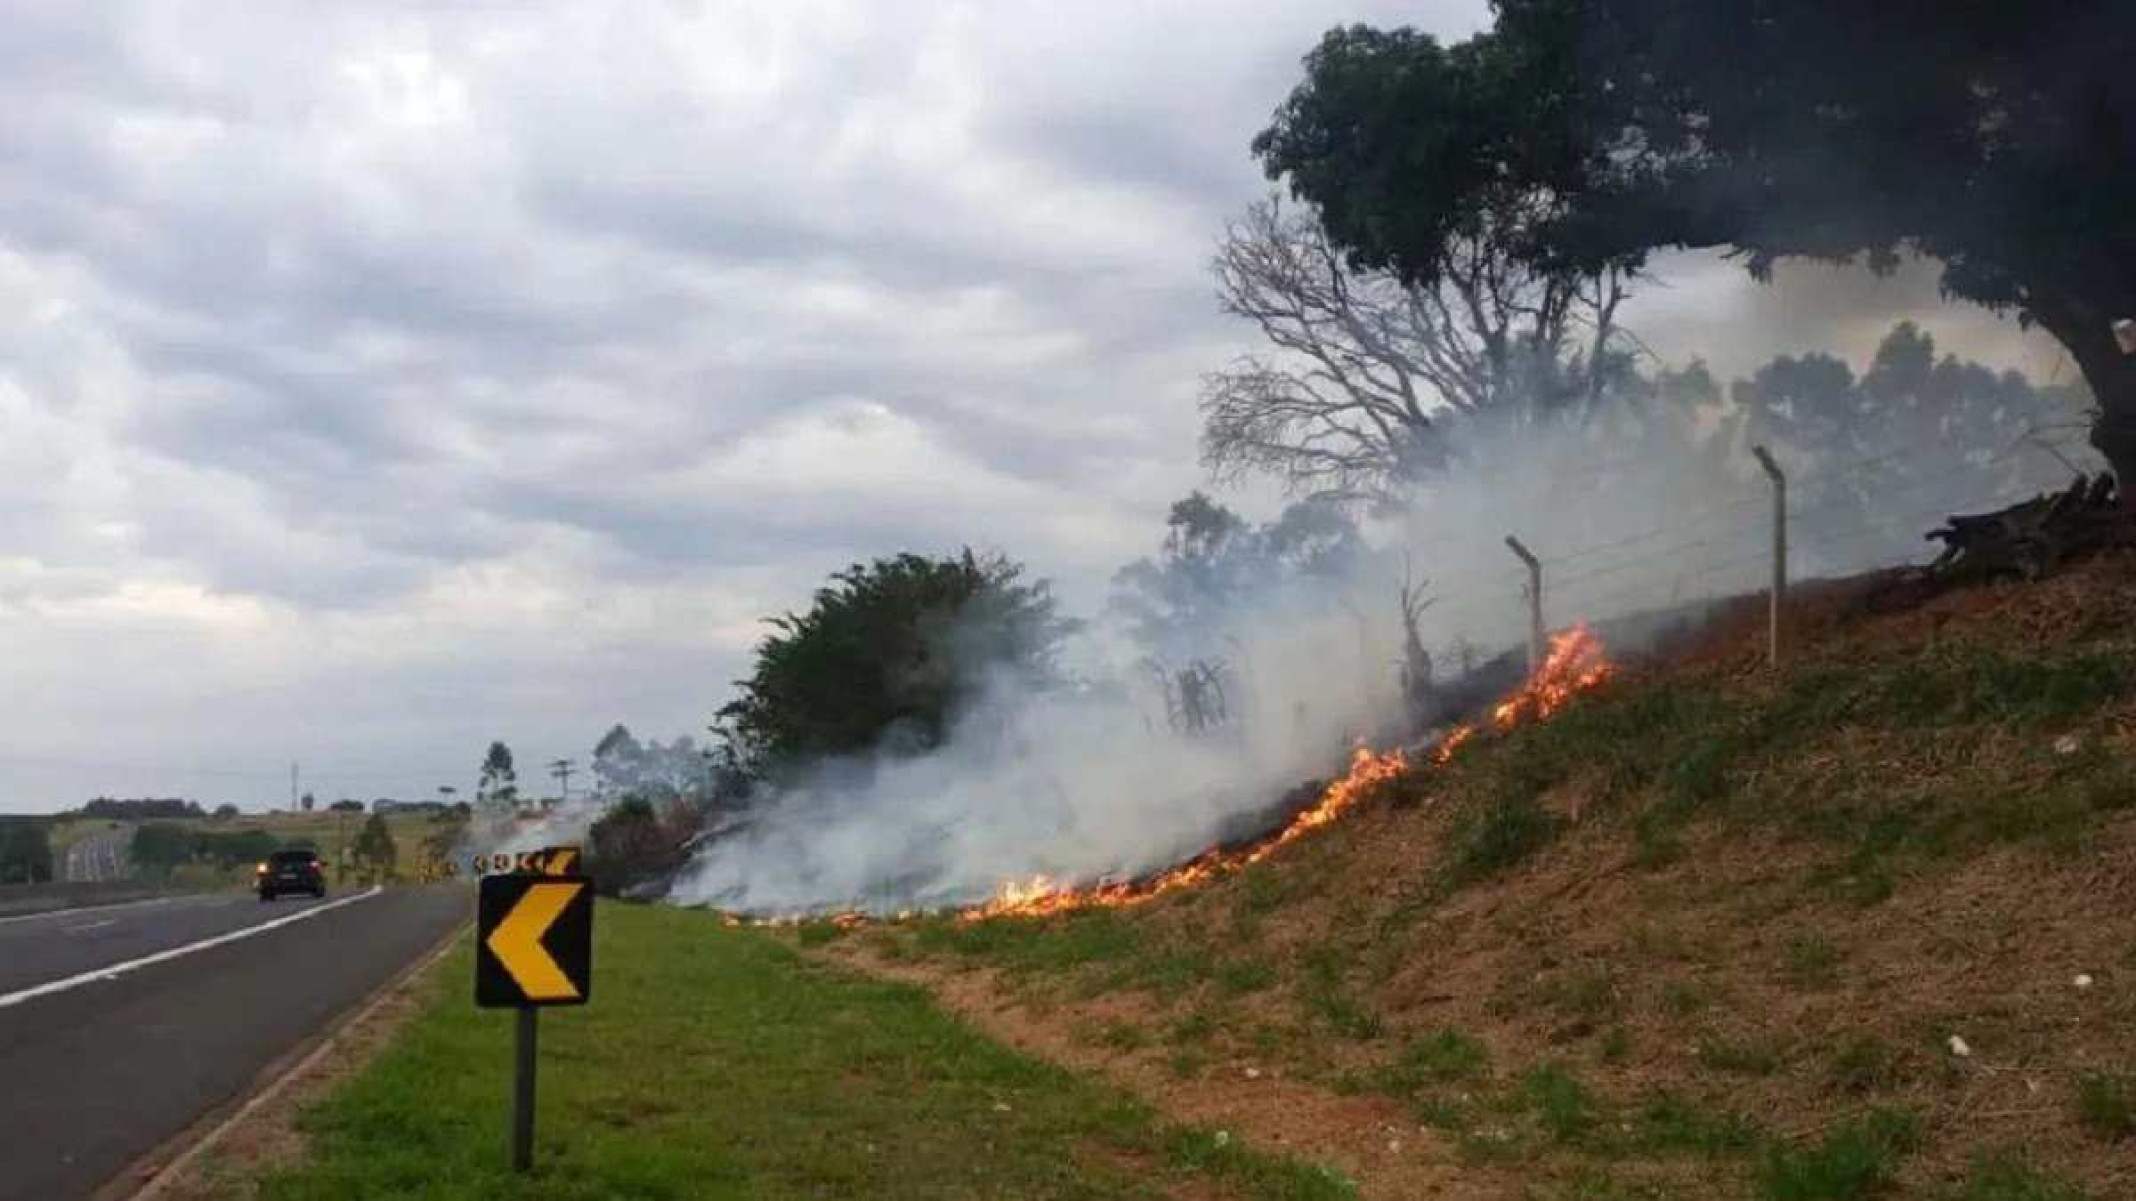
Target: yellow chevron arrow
{"x":516,"y":942}
{"x":561,"y":861}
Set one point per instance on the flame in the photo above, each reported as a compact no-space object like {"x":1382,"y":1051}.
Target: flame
{"x":1574,"y":664}
{"x":1039,"y":896}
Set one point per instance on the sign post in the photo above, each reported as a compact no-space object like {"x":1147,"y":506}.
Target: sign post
{"x":523,"y":1090}
{"x":533,"y":949}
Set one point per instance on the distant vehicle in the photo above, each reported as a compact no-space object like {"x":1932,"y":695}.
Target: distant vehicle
{"x":291,"y":871}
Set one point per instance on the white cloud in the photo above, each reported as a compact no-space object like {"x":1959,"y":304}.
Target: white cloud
{"x":375,"y":381}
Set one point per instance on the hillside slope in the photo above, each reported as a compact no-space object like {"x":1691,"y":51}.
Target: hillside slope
{"x":1864,"y":924}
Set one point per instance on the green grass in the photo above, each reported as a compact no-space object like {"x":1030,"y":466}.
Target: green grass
{"x":1504,"y":833}
{"x":1436,"y":1058}
{"x":717,"y":1063}
{"x":1587,"y":993}
{"x":1742,"y":1057}
{"x":1328,"y":996}
{"x":1812,"y":961}
{"x":1854,"y":1159}
{"x":2106,"y":1105}
{"x":1562,"y":1105}
{"x":1240,"y":976}
{"x":2011,"y":1177}
{"x":1672,"y":1123}
{"x":1865,"y":1064}
{"x":1662,"y":754}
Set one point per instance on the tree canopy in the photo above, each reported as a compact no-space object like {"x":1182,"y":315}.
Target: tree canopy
{"x":1373,"y":382}
{"x":1215,"y":564}
{"x":1997,"y":138}
{"x":25,"y":851}
{"x":885,"y":657}
{"x":497,"y":789}
{"x":374,"y":847}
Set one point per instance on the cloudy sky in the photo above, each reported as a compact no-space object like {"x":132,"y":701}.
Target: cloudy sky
{"x":378,"y":380}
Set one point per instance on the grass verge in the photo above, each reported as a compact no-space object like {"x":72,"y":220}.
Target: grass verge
{"x":717,"y":1063}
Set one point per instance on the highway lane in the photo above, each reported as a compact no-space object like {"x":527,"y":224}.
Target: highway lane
{"x":106,"y":1056}
{"x":44,"y":946}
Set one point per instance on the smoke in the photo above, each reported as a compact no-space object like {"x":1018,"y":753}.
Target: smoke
{"x":1079,"y":784}
{"x":1650,"y":512}
{"x":1663,"y":520}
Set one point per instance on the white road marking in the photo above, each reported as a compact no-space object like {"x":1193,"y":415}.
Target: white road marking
{"x":109,"y":921}
{"x":78,"y":910}
{"x":114,"y":971}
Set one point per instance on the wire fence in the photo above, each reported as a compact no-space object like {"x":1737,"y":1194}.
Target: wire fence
{"x":1726,"y":549}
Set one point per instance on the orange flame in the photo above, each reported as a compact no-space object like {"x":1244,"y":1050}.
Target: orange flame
{"x":1039,"y":896}
{"x":1574,"y":664}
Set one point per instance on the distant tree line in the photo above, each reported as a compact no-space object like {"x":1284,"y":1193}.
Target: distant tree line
{"x":160,"y":848}
{"x":25,"y":850}
{"x":143,"y":809}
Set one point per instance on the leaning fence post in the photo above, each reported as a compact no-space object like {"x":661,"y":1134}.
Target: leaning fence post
{"x":1779,"y":593}
{"x":1535,"y":603}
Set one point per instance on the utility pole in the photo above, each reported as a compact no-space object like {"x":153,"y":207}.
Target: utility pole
{"x":1779,"y":591}
{"x":1535,"y":603}
{"x":292,"y":786}
{"x":562,"y":769}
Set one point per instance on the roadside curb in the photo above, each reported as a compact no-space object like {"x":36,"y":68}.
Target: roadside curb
{"x":157,"y":1170}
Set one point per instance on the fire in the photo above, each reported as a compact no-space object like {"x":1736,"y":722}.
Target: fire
{"x":1574,"y":663}
{"x":1039,"y":896}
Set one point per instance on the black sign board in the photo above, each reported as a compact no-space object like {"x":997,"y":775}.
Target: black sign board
{"x":534,"y":941}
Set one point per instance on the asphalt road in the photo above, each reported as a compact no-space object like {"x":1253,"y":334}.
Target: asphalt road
{"x":118,"y":1030}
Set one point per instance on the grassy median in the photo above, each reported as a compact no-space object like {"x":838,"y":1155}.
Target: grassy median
{"x":717,"y":1063}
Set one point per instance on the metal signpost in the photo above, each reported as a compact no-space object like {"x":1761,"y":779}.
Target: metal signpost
{"x":533,"y":949}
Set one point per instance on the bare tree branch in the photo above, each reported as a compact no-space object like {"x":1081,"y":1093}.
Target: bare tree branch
{"x":1372,"y":379}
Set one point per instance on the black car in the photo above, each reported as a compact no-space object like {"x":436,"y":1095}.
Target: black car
{"x":291,"y":871}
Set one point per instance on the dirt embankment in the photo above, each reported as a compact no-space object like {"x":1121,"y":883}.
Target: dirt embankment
{"x":1864,"y":924}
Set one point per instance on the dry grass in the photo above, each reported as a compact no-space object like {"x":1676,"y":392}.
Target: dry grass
{"x":1710,"y":933}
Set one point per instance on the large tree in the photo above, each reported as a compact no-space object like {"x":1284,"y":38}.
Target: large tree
{"x":25,"y":851}
{"x":618,"y":761}
{"x":1929,"y":431}
{"x":375,"y":848}
{"x":1998,"y":138}
{"x":1214,"y":566}
{"x":886,"y":656}
{"x":1372,"y":381}
{"x":497,"y":788}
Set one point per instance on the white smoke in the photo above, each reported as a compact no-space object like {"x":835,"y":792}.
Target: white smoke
{"x":1074,"y":785}
{"x":1094,"y":783}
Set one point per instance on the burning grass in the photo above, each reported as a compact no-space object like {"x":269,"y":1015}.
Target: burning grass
{"x":1574,"y":664}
